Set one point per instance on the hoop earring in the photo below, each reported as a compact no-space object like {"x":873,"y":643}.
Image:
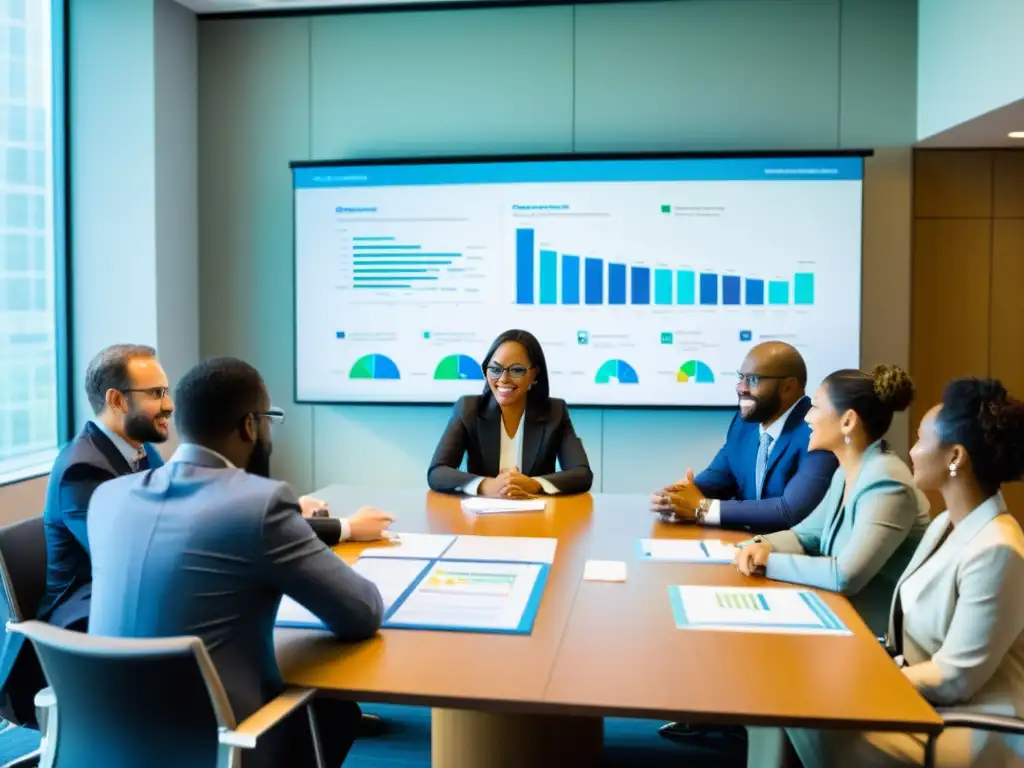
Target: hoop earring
{"x":952,"y":470}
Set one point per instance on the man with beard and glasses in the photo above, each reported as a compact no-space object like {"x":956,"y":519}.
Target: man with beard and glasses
{"x":763,"y":478}
{"x":128,"y":392}
{"x":207,"y":545}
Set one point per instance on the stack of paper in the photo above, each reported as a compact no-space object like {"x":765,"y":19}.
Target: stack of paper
{"x":686,"y":550}
{"x":480,"y":505}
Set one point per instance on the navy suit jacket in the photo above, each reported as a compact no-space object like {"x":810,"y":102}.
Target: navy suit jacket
{"x":794,"y":484}
{"x":90,"y":459}
{"x":197,"y":548}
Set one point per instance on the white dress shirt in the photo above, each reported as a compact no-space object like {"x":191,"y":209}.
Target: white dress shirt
{"x":714,"y":517}
{"x":510,"y":456}
{"x":126,"y":449}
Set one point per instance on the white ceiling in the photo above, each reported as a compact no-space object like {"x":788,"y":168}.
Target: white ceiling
{"x":988,"y":130}
{"x":237,"y":6}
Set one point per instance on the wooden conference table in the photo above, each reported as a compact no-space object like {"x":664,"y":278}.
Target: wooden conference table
{"x":597,"y":649}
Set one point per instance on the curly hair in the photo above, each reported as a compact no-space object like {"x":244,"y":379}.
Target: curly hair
{"x":980,"y":415}
{"x":874,"y":396}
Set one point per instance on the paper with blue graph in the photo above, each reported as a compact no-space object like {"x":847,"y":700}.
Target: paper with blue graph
{"x":753,"y":609}
{"x":710,"y":551}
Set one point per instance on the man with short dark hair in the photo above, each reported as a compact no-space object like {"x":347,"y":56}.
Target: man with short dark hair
{"x":208,"y":544}
{"x":128,"y":392}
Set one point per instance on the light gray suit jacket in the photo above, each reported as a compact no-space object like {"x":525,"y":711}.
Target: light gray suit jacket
{"x":196,"y":548}
{"x":859,"y":549}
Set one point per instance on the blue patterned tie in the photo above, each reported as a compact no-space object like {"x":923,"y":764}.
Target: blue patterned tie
{"x":763,"y":449}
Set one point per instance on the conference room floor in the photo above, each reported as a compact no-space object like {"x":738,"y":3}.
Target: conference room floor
{"x":597,"y":649}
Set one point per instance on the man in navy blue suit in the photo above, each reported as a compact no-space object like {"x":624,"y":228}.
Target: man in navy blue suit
{"x":128,"y":391}
{"x":763,"y":478}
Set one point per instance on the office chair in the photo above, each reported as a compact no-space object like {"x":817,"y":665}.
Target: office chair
{"x":23,"y":582}
{"x":155,"y":702}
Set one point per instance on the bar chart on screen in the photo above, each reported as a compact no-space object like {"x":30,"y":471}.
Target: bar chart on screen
{"x":547,"y":276}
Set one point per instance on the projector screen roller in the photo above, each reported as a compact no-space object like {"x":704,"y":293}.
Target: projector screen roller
{"x":646,"y":280}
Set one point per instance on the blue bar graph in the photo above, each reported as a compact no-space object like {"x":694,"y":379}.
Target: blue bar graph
{"x":640,"y":283}
{"x":548,"y":277}
{"x":663,"y":286}
{"x":755,"y":291}
{"x":594,"y":278}
{"x":372,"y":239}
{"x":616,"y":283}
{"x":570,"y":279}
{"x":524,"y":266}
{"x":730,"y":289}
{"x":778,"y":292}
{"x":375,"y":247}
{"x":708,"y":288}
{"x":686,"y":287}
{"x":803,"y":288}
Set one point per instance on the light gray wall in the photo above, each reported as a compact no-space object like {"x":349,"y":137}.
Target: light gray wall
{"x":134,"y":157}
{"x":715,"y":74}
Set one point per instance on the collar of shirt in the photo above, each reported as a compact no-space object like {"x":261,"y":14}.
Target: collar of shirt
{"x":126,"y":449}
{"x":775,"y":430}
{"x":203,"y":449}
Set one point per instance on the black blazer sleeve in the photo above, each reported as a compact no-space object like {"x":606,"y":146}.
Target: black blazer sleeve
{"x":576,"y":475}
{"x":444,"y":474}
{"x":327,"y":529}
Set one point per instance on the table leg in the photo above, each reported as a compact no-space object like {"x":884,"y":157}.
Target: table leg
{"x":468,"y":739}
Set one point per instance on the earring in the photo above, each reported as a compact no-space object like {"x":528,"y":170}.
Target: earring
{"x":846,"y":439}
{"x":952,"y":470}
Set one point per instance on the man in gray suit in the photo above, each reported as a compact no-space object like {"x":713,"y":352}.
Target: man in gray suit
{"x":207,"y":545}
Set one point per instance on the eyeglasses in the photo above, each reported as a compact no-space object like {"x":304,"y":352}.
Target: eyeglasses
{"x":495,"y":371}
{"x":753,"y":379}
{"x":275,"y":416}
{"x":157,"y":393}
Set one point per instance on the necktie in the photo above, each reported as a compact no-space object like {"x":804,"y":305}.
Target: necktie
{"x":762,"y":461}
{"x":141,"y":460}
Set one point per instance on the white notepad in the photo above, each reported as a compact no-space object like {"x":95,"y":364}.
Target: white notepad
{"x":604,"y":570}
{"x":481,"y":505}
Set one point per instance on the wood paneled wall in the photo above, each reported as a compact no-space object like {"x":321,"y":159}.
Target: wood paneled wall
{"x":968,"y":276}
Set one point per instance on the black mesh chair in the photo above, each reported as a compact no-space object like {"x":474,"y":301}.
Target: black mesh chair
{"x":157,"y":703}
{"x":23,"y":582}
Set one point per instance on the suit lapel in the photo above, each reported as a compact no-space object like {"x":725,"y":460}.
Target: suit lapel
{"x":794,"y":418}
{"x":488,"y":427}
{"x":534,"y":427}
{"x":118,"y":463}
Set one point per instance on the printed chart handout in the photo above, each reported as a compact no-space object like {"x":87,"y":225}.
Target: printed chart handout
{"x":749,"y":609}
{"x":685,"y":550}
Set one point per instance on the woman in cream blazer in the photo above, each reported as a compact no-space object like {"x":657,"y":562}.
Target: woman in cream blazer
{"x":957,"y":618}
{"x":861,"y":536}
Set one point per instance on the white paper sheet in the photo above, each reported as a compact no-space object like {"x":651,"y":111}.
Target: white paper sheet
{"x":686,"y":550}
{"x":752,"y":609}
{"x":483,"y":596}
{"x":481,"y":505}
{"x":604,"y":570}
{"x":422,"y":545}
{"x":515,"y":549}
{"x":392,"y":578}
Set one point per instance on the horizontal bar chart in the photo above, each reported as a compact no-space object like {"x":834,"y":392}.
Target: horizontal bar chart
{"x":547,"y":276}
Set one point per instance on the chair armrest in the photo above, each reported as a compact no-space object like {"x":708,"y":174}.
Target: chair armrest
{"x":248,"y":732}
{"x":958,"y":718}
{"x":45,"y":699}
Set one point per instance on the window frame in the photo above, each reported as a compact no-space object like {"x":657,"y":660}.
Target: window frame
{"x":61,"y":132}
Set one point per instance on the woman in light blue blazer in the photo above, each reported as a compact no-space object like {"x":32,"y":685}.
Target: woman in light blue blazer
{"x":861,"y":536}
{"x":957,"y":623}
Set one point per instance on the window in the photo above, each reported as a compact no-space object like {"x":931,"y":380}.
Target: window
{"x":33,"y":329}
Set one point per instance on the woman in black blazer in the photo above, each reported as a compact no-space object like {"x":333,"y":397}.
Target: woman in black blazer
{"x":513,"y":433}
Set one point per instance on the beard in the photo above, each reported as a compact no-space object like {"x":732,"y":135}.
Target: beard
{"x":259,"y":461}
{"x":764,"y":408}
{"x":140,"y":428}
